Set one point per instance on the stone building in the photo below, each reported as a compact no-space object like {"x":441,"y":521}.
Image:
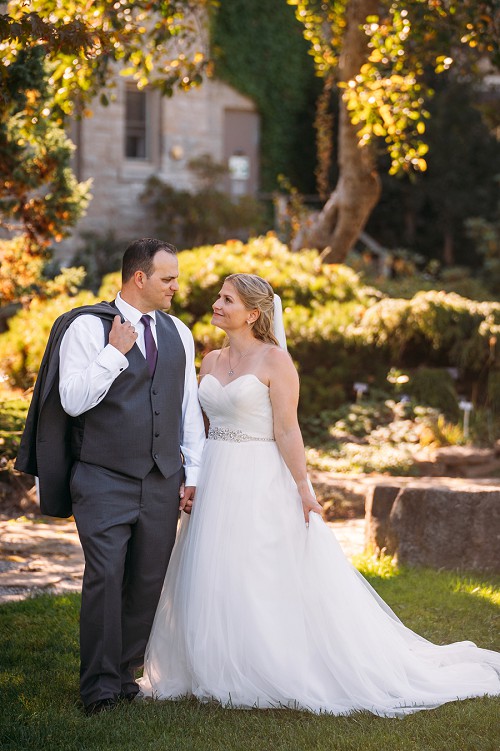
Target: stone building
{"x":141,"y":133}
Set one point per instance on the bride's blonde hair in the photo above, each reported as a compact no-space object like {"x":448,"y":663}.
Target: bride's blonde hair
{"x":255,"y":292}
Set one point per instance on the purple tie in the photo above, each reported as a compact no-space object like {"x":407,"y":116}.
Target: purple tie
{"x":151,"y":349}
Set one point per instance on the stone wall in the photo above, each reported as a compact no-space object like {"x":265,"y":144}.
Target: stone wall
{"x":180,"y":128}
{"x":434,"y":525}
{"x":441,"y":522}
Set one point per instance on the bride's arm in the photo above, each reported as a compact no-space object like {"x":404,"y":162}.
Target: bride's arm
{"x":284,"y":393}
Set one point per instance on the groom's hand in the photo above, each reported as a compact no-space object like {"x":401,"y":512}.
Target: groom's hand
{"x":122,"y":335}
{"x":186,"y":495}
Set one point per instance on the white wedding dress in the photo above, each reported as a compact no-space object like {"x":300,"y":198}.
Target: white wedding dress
{"x":258,"y":610}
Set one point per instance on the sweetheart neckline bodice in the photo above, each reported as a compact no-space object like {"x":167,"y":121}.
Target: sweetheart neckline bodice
{"x":230,"y":383}
{"x":243,"y":404}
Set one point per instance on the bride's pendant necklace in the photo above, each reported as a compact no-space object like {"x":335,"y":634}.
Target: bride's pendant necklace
{"x":231,"y":370}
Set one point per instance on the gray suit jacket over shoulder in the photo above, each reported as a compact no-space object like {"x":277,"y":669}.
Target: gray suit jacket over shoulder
{"x":45,"y":448}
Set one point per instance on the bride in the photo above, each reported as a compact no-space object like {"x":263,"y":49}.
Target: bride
{"x":260,"y":607}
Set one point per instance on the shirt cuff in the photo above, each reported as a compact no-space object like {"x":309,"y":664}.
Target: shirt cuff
{"x":112,"y":359}
{"x":191,"y":477}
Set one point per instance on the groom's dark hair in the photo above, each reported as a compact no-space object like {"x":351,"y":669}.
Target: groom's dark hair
{"x":140,"y":254}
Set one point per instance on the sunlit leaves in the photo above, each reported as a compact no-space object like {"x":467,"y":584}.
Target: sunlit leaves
{"x":160,"y":43}
{"x":386,"y":98}
{"x":324,"y":26}
{"x":57,"y":55}
{"x":40,"y":197}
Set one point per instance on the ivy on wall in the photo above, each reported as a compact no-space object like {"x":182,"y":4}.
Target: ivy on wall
{"x":259,"y":49}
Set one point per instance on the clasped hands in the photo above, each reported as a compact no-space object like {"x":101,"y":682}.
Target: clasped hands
{"x":186,"y":496}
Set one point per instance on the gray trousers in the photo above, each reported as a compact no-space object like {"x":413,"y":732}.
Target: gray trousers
{"x":127,"y":529}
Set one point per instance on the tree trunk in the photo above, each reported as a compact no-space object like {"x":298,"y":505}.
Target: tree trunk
{"x":337,"y":227}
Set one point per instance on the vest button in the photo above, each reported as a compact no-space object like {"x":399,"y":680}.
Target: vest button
{"x":155,"y":456}
{"x":157,"y":435}
{"x":157,"y":411}
{"x":155,"y":391}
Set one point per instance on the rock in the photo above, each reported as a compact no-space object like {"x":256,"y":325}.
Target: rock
{"x":488,"y":469}
{"x":429,"y":468}
{"x":341,"y":497}
{"x":458,"y":456}
{"x":379,"y":502}
{"x":441,"y":527}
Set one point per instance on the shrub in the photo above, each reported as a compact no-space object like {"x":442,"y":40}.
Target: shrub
{"x":299,"y":278}
{"x":377,"y":435}
{"x":434,"y":387}
{"x":23,"y":345}
{"x":339,"y":330}
{"x":20,"y":270}
{"x":12,"y":419}
{"x":208,"y":215}
{"x":99,"y":255}
{"x":486,"y":236}
{"x":433,"y":328}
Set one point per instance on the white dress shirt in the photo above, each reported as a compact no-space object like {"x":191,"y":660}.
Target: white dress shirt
{"x":88,"y":367}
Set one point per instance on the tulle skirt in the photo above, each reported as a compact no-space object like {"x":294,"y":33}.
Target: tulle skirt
{"x":258,"y":610}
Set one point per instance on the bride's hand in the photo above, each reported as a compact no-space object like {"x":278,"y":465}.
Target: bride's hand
{"x":186,"y":497}
{"x":309,"y":503}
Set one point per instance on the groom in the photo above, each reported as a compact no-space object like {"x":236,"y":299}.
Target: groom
{"x":127,"y":380}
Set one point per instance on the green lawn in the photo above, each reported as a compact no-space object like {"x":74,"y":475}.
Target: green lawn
{"x":39,"y":705}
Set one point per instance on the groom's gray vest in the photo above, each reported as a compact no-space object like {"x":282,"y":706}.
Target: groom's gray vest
{"x":139,"y":422}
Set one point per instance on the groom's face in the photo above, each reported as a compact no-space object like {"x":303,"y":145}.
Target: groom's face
{"x":159,"y":288}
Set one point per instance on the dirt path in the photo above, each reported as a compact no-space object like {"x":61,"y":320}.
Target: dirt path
{"x":44,"y":555}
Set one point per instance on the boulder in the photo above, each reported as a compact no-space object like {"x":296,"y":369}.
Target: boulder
{"x":341,"y":497}
{"x":459,"y":455}
{"x":438,"y":526}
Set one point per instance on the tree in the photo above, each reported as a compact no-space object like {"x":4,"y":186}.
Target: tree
{"x":39,"y":195}
{"x":427,"y":214}
{"x":40,"y":198}
{"x":155,"y":41}
{"x":57,"y":55}
{"x":375,"y":54}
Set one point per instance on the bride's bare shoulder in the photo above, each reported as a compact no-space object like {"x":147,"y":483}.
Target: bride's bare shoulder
{"x":208,"y":362}
{"x":279,"y":359}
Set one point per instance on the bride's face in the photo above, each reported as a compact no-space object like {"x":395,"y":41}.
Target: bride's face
{"x":229,"y":312}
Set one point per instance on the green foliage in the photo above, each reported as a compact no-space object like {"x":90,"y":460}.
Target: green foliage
{"x":299,"y":278}
{"x":258,"y":49}
{"x":435,"y":328}
{"x":39,"y":194}
{"x":384,"y":100}
{"x":385,"y":97}
{"x":57,"y":56}
{"x":435,"y":388}
{"x":339,"y":330}
{"x":377,"y":434}
{"x":20,"y":270}
{"x":98,"y":255}
{"x":486,"y":236}
{"x":149,"y":38}
{"x":12,"y":419}
{"x":429,"y":214}
{"x":23,"y":345}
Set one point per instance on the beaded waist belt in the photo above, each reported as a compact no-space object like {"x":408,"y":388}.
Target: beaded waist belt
{"x":235,"y":436}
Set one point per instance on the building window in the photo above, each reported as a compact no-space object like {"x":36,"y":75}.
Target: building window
{"x":136,"y":124}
